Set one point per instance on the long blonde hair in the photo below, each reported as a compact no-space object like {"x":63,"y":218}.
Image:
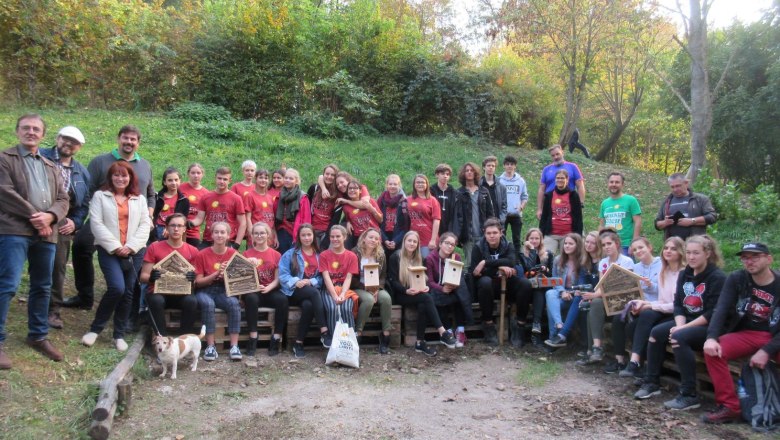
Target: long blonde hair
{"x":378,"y":254}
{"x":587,"y":258}
{"x":540,"y":251}
{"x":406,"y":261}
{"x":709,"y":245}
{"x":679,"y":247}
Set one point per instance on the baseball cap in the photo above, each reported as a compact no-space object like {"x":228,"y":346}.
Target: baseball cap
{"x":72,"y":132}
{"x":758,"y":248}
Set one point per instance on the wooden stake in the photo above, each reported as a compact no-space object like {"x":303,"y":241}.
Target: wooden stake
{"x":502,"y":311}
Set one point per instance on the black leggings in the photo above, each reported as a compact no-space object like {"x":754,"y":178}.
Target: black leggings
{"x":274,"y":299}
{"x":526,"y":294}
{"x":188,"y":304}
{"x":309,"y":300}
{"x":687,"y":340}
{"x":643,"y":325}
{"x":426,"y":310}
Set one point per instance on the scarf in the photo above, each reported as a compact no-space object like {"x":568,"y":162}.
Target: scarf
{"x":289,"y":204}
{"x":388,"y":201}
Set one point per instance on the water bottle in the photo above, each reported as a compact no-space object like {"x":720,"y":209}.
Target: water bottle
{"x":741,"y":391}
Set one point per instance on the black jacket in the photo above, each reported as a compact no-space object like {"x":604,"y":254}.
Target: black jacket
{"x":182,"y":205}
{"x":730,"y":309}
{"x":461,"y":223}
{"x":697,"y":295}
{"x":401,"y":222}
{"x":446,"y":201}
{"x":504,"y":255}
{"x":533,"y":259}
{"x":545,"y":222}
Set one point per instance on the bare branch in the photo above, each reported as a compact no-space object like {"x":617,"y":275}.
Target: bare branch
{"x":723,"y":75}
{"x":672,"y":88}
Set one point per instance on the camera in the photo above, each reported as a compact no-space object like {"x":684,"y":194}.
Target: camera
{"x":582,"y":287}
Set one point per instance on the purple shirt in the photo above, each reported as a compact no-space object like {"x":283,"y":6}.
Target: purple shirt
{"x":548,"y":175}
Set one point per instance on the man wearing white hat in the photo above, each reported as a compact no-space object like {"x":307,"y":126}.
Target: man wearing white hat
{"x":76,"y":181}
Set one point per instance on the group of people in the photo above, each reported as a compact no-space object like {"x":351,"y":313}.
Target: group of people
{"x":312,"y":249}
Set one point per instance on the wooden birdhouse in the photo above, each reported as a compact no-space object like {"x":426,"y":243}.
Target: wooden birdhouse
{"x":453,"y":269}
{"x":417,"y":277}
{"x":371,"y":275}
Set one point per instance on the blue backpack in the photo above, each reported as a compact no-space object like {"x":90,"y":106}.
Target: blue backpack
{"x":761,"y":400}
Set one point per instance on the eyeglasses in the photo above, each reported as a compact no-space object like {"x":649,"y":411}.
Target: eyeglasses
{"x":448,"y":243}
{"x":260,"y":233}
{"x":750,"y":256}
{"x":353,"y":189}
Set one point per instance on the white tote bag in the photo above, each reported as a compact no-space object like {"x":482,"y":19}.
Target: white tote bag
{"x":344,"y":348}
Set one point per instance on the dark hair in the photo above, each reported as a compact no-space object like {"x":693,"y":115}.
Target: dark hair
{"x":176,"y":215}
{"x":121,"y":167}
{"x":261,"y":172}
{"x":353,"y":183}
{"x":442,"y":168}
{"x":510,"y":159}
{"x":31,"y":116}
{"x":297,"y":246}
{"x":223,"y":171}
{"x":492,"y":222}
{"x":168,"y":171}
{"x":615,"y":173}
{"x":462,"y":173}
{"x":130,"y":129}
{"x":489,"y":159}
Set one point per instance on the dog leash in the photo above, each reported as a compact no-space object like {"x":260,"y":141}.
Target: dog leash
{"x":154,"y":324}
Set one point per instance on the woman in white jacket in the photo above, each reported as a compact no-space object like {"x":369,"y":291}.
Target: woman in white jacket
{"x":120,"y":222}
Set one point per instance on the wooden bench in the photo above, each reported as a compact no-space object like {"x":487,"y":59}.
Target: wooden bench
{"x":671,"y":373}
{"x":473,"y":332}
{"x":371,"y":330}
{"x":265,"y":323}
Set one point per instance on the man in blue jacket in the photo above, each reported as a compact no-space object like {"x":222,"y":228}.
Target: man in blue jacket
{"x":76,"y":181}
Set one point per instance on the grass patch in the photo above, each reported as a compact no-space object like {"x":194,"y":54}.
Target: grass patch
{"x":537,"y":373}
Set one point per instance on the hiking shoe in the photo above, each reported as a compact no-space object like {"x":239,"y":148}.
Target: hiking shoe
{"x":647,"y":391}
{"x":536,"y":327}
{"x":422,"y":347}
{"x":516,"y":331}
{"x":55,"y":320}
{"x":614,"y":367}
{"x":683,"y":402}
{"x":235,"y":353}
{"x":491,"y":335}
{"x":326,"y":339}
{"x":557,"y":341}
{"x":298,"y":351}
{"x":44,"y":347}
{"x":448,"y":339}
{"x":583,"y":354}
{"x":273,"y":347}
{"x":460,"y":339}
{"x":384,"y":343}
{"x":632,"y":370}
{"x":596,"y":354}
{"x":210,"y":354}
{"x":721,"y":414}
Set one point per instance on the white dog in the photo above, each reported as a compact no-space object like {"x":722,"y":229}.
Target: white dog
{"x":170,"y":350}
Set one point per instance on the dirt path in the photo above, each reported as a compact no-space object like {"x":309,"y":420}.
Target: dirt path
{"x":470,"y":394}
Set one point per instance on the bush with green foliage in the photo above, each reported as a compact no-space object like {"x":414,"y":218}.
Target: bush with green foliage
{"x":326,"y":125}
{"x":764,"y":205}
{"x":200,"y":112}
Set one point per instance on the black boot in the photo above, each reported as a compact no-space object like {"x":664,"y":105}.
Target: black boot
{"x":516,"y":334}
{"x":251,"y":348}
{"x":384,"y":343}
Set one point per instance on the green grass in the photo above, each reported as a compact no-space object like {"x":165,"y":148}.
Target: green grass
{"x":537,"y":372}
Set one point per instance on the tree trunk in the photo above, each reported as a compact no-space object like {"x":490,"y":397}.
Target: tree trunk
{"x":701,"y":99}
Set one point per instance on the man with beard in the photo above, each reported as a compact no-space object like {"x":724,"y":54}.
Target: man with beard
{"x":76,"y":181}
{"x":746,"y":322}
{"x":547,"y":182}
{"x":621,"y":212}
{"x":84,"y":244}
{"x":684,"y":213}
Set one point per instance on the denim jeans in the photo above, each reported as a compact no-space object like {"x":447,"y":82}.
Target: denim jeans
{"x":555,"y":306}
{"x":121,"y":275}
{"x":40,"y":255}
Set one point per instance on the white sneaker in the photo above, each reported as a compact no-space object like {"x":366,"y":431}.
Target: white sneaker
{"x":89,"y":339}
{"x":235,"y":353}
{"x":121,"y":345}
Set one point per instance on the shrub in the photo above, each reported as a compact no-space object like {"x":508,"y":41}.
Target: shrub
{"x":326,"y":125}
{"x":226,"y":129}
{"x":200,"y":112}
{"x":764,"y":205}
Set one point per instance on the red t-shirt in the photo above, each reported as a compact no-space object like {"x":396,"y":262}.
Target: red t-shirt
{"x":158,"y":250}
{"x":321,"y":212}
{"x":194,"y":196}
{"x":242,"y":190}
{"x":422,"y":213}
{"x":361,"y":219}
{"x":168,"y":208}
{"x":207,"y":262}
{"x":261,"y":207}
{"x":267,"y":264}
{"x":310,"y":265}
{"x":274,"y":192}
{"x":221,"y":208}
{"x":339,"y":265}
{"x":561,"y":214}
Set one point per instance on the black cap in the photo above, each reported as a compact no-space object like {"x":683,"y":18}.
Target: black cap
{"x":758,"y":248}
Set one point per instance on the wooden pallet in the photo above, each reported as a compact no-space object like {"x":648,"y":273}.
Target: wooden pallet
{"x":265,"y":325}
{"x":473,"y":332}
{"x":703,"y":379}
{"x":371,"y":330}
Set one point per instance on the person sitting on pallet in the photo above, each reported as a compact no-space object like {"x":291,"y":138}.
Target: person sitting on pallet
{"x":746,"y":322}
{"x":371,"y":290}
{"x":698,"y":288}
{"x":493,"y":257}
{"x":446,"y":294}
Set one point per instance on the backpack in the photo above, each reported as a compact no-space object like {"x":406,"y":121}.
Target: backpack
{"x":761,"y":401}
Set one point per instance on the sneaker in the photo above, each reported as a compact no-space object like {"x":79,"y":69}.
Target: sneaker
{"x":89,"y":339}
{"x":683,"y":402}
{"x":583,"y":354}
{"x":632,"y":370}
{"x":614,"y":367}
{"x":298,"y":351}
{"x":536,"y":327}
{"x":273,"y":348}
{"x":422,"y":347}
{"x":210,"y":354}
{"x":121,"y":345}
{"x":326,"y":339}
{"x":647,"y":391}
{"x":721,"y":414}
{"x":557,"y":341}
{"x":537,"y":341}
{"x":596,"y":354}
{"x":491,"y":336}
{"x":235,"y":353}
{"x":384,"y":343}
{"x":460,"y":339}
{"x":448,"y":339}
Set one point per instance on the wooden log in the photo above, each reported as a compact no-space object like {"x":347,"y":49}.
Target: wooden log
{"x":100,"y":430}
{"x":108,"y":386}
{"x":124,"y":396}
